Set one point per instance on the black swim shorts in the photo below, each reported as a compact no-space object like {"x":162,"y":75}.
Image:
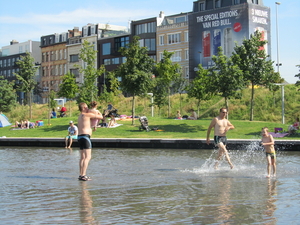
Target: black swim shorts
{"x":272,"y":155}
{"x":219,"y":139}
{"x":84,"y":141}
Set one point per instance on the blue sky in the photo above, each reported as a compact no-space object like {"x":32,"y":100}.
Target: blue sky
{"x":29,"y":20}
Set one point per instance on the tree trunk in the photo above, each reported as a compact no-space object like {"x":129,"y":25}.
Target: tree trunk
{"x":252,"y":102}
{"x":198,"y":107}
{"x":132,"y":110}
{"x":30,"y":106}
{"x":226,"y":105}
{"x":169,"y":106}
{"x":180,"y":107}
{"x":70,"y":108}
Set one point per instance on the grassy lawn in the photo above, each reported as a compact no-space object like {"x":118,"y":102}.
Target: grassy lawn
{"x":170,"y":129}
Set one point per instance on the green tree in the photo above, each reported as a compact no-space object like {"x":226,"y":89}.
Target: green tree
{"x":160,"y":94}
{"x":26,"y":82}
{"x":136,"y":73}
{"x":256,"y":67}
{"x":200,"y":87}
{"x":7,"y":95}
{"x":167,"y":72}
{"x":88,"y":91}
{"x":227,"y":78}
{"x":179,"y":86}
{"x":68,"y":88}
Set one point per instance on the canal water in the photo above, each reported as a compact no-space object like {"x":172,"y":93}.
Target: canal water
{"x":147,"y":186}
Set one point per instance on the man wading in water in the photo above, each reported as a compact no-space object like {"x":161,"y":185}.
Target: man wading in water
{"x":84,"y":135}
{"x":221,"y":125}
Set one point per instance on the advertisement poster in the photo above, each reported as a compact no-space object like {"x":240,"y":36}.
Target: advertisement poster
{"x":225,"y":27}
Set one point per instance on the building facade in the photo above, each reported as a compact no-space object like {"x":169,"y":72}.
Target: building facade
{"x":11,"y":54}
{"x":173,"y":36}
{"x":224,"y":23}
{"x":54,"y":62}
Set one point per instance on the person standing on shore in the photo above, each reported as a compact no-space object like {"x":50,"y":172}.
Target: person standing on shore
{"x":84,"y":135}
{"x":268,"y":142}
{"x":221,"y":125}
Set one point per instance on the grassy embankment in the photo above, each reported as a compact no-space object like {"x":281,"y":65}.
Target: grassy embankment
{"x":267,"y":112}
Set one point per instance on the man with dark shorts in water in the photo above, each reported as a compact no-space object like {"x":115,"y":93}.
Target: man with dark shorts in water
{"x":221,"y":125}
{"x":84,"y":135}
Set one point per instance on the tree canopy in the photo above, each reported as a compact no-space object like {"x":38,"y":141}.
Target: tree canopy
{"x":7,"y":95}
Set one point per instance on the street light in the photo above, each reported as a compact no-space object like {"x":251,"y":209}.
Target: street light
{"x":279,"y":64}
{"x":277,"y":37}
{"x":151,"y":94}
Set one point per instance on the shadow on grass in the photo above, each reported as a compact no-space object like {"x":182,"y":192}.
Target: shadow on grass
{"x":56,"y":128}
{"x":179,"y":128}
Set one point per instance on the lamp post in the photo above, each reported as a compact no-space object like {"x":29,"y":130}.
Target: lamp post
{"x":277,"y":37}
{"x":151,"y":94}
{"x":279,"y":64}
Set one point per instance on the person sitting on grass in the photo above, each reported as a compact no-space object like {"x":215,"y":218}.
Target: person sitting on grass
{"x":193,"y":116}
{"x":72,"y":134}
{"x":294,"y":127}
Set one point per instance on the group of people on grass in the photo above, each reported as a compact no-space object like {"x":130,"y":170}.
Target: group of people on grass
{"x":193,"y":115}
{"x":63,"y":112}
{"x":25,"y":124}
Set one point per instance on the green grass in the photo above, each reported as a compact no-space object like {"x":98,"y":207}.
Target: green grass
{"x":171,"y":129}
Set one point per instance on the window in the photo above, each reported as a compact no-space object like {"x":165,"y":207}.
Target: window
{"x":236,"y":2}
{"x":52,"y":56}
{"x":176,"y":57}
{"x":106,"y":49}
{"x":20,"y":49}
{"x":74,"y":58}
{"x":161,"y":40}
{"x":217,"y":3}
{"x":180,"y":19}
{"x":121,"y":42}
{"x":4,"y":63}
{"x":56,"y":38}
{"x":115,"y":61}
{"x":106,"y":62}
{"x":187,"y":72}
{"x":0,"y":63}
{"x":186,"y":36}
{"x":150,"y":44}
{"x":174,"y":38}
{"x":201,"y":6}
{"x":145,"y":28}
{"x":85,"y":31}
{"x":75,"y":72}
{"x":186,"y":53}
{"x":8,"y":62}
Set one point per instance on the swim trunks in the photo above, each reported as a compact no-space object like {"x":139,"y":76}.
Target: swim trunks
{"x":271,"y":154}
{"x":219,"y":139}
{"x":84,"y":141}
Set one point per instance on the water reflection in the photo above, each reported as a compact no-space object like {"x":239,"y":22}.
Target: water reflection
{"x":271,"y":200}
{"x":225,"y":208}
{"x":86,"y":205}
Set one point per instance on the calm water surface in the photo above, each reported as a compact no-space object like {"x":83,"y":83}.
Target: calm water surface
{"x":152,"y":186}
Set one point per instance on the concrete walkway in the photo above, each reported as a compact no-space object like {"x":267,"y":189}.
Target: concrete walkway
{"x":233,"y":144}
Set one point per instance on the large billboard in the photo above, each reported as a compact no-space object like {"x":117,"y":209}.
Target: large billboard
{"x":224,"y":27}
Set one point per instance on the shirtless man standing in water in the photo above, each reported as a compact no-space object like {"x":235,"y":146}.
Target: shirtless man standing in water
{"x":221,"y":125}
{"x":84,"y":135}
